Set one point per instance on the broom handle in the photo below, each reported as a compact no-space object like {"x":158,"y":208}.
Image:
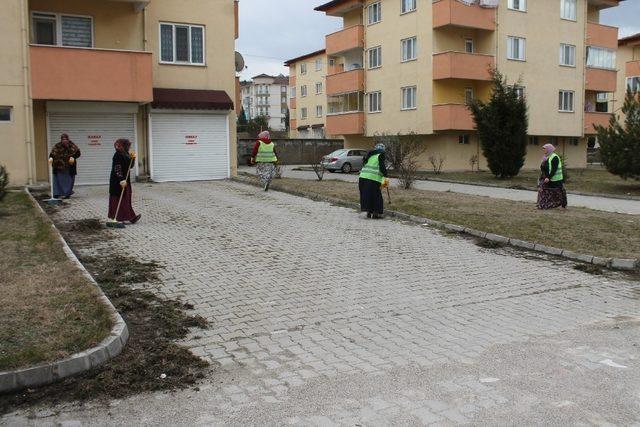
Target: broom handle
{"x":126,"y":178}
{"x":388,"y":195}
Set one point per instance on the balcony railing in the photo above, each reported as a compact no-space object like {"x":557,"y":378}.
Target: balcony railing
{"x":452,"y":117}
{"x":346,"y":81}
{"x":82,"y":74}
{"x":351,"y":123}
{"x":345,"y":40}
{"x":461,"y":65}
{"x":456,"y":14}
{"x":632,"y":69}
{"x":602,"y":35}
{"x":601,"y":80}
{"x":592,"y":118}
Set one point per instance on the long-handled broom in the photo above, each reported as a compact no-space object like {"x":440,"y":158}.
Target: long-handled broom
{"x":113,"y":222}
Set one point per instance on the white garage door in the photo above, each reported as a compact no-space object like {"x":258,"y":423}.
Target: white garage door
{"x":189,"y":147}
{"x":94,"y":134}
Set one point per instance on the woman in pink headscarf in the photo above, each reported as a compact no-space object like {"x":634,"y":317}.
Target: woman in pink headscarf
{"x":551,"y":192}
{"x":265,"y":157}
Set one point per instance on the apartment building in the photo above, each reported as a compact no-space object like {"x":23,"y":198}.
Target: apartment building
{"x":629,"y":69}
{"x":308,"y":99}
{"x":158,"y":72}
{"x":423,"y":59}
{"x":267,"y":96}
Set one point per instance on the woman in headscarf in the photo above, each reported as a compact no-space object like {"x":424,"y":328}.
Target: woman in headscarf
{"x":63,"y":163}
{"x":551,"y":192}
{"x":372,"y":180}
{"x":120,"y":183}
{"x":265,"y":157}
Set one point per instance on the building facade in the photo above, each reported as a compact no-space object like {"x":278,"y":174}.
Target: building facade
{"x":629,"y":70}
{"x":153,"y":71}
{"x":409,"y":66}
{"x":267,"y":96}
{"x":308,"y":98}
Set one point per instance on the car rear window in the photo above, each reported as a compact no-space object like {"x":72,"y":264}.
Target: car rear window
{"x":337,"y":153}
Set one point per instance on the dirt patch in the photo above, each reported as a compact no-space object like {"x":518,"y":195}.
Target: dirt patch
{"x":84,"y":226}
{"x":489,"y":244}
{"x":589,"y":268}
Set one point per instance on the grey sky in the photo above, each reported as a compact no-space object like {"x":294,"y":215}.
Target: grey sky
{"x":272,"y":31}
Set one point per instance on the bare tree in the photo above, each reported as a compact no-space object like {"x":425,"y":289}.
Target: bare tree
{"x":437,"y":162}
{"x":318,"y":168}
{"x":474,"y":161}
{"x":279,"y":172}
{"x":402,"y":152}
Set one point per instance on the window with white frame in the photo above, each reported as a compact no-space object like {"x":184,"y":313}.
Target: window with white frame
{"x":468,"y":94}
{"x":318,"y":110}
{"x":181,"y":44}
{"x":633,"y":84}
{"x":303,"y":68}
{"x":293,"y":92}
{"x":318,"y":88}
{"x":516,"y":48}
{"x":303,"y":113}
{"x":374,"y":13}
{"x":408,"y":6}
{"x":468,"y":45}
{"x":283,"y":89}
{"x":565,"y":101}
{"x":303,"y":91}
{"x":600,"y":57}
{"x":62,"y":30}
{"x":568,"y":9}
{"x":283,"y":110}
{"x":318,"y":64}
{"x":5,"y":114}
{"x":519,"y":90}
{"x":567,"y":55}
{"x":409,"y":49}
{"x":375,"y":102}
{"x":374,"y":56}
{"x":409,"y":98}
{"x":520,"y":5}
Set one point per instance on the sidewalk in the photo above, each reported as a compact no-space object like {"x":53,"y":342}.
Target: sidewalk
{"x":631,"y":207}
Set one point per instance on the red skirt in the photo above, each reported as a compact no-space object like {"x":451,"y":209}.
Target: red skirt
{"x":126,"y":212}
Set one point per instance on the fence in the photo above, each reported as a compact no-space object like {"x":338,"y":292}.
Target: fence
{"x":292,"y":151}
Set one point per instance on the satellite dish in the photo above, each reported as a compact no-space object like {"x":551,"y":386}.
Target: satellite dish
{"x":239,"y":62}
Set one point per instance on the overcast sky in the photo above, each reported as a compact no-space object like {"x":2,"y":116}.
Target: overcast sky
{"x":272,"y":31}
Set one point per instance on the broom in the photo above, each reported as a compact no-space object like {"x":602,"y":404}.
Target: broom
{"x":113,"y":223}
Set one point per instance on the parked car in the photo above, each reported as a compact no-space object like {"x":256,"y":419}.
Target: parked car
{"x":345,"y":160}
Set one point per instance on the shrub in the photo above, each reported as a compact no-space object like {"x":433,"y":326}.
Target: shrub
{"x":4,"y":181}
{"x":402,"y":152}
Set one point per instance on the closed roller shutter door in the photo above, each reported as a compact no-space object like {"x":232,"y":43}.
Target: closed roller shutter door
{"x":94,"y":134}
{"x":189,"y":147}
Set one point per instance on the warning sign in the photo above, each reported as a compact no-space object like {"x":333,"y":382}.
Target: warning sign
{"x":191,"y":139}
{"x":94,"y":140}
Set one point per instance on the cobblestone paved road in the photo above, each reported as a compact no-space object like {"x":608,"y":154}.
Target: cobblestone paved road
{"x":321,"y":317}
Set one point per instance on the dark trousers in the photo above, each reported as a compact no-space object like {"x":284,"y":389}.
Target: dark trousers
{"x":370,"y":196}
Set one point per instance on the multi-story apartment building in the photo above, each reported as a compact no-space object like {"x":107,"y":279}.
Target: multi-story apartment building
{"x":267,"y":96}
{"x":629,"y":69}
{"x":423,"y":59}
{"x":308,"y":99}
{"x":158,"y":72}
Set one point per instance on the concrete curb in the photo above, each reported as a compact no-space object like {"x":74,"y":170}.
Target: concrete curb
{"x":47,"y":373}
{"x":613,"y":263}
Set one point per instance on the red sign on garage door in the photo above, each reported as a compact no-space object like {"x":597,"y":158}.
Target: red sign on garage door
{"x":191,"y":139}
{"x":94,"y":140}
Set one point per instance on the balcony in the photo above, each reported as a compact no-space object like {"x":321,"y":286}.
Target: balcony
{"x":457,"y":14}
{"x":345,"y":40}
{"x":602,"y":35}
{"x":601,"y":80}
{"x":346,"y":81}
{"x":293,"y":103}
{"x":452,"y":117}
{"x":345,"y":123}
{"x":632,"y":69}
{"x":79,"y":74}
{"x":461,"y":65}
{"x":592,"y":119}
{"x":340,"y":7}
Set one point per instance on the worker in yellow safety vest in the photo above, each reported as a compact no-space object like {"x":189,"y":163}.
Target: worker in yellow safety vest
{"x":373,"y":177}
{"x":265,"y":157}
{"x":551,"y":193}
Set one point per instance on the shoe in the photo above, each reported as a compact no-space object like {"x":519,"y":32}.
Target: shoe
{"x":266,"y":186}
{"x":136,"y":219}
{"x":378,"y":216}
{"x":67,"y":197}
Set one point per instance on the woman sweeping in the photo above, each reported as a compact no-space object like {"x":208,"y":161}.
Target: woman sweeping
{"x":372,"y":179}
{"x":120,"y":183}
{"x":265,"y":157}
{"x":551,"y":192}
{"x":63,"y":158}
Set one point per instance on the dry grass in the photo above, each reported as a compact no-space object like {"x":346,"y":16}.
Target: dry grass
{"x":577,"y":229}
{"x":49,"y":310}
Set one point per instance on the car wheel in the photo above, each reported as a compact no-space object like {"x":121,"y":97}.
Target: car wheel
{"x":346,"y":168}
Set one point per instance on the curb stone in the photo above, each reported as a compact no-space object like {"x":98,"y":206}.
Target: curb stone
{"x":613,"y":263}
{"x":77,"y":363}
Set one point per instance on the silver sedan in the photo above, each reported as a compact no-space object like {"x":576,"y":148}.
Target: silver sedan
{"x":345,"y":160}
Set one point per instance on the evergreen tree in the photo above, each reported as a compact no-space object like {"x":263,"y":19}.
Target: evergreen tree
{"x":502,"y":125}
{"x":4,"y":181}
{"x":287,"y":117}
{"x":620,"y":143}
{"x":242,"y":121}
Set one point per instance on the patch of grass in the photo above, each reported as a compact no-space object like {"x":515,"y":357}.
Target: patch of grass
{"x":489,"y":244}
{"x":49,"y":309}
{"x":577,"y":229}
{"x":589,"y":268}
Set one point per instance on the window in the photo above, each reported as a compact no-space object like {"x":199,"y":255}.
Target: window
{"x":318,"y":110}
{"x":409,"y":98}
{"x":5,"y":114}
{"x":408,"y":6}
{"x":283,"y":110}
{"x":468,"y":45}
{"x":374,"y":13}
{"x":568,"y":9}
{"x":567,"y":55}
{"x":519,"y":90}
{"x":283,"y":89}
{"x":345,"y":103}
{"x":303,"y":113}
{"x":62,"y":30}
{"x":533,"y":140}
{"x":318,"y":88}
{"x":633,"y":84}
{"x":520,"y":5}
{"x":303,"y":91}
{"x":602,"y":102}
{"x":409,"y":49}
{"x":318,"y":64}
{"x":375,"y":102}
{"x":464,"y":139}
{"x":565,"y":101}
{"x":303,"y":69}
{"x":573,"y":141}
{"x":181,"y":44}
{"x":468,"y":94}
{"x":375,"y":57}
{"x":515,"y":48}
{"x":599,"y":57}
{"x":293,"y":92}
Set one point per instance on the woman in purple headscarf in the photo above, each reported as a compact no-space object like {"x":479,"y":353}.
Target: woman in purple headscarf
{"x":62,"y":159}
{"x":120,"y":183}
{"x":551,"y":192}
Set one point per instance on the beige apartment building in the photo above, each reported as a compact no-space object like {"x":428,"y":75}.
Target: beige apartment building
{"x":408,"y":66}
{"x":629,"y":69}
{"x":308,"y":96}
{"x":159,"y":72}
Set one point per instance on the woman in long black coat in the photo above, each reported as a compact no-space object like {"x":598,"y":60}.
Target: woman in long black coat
{"x":120,"y":183}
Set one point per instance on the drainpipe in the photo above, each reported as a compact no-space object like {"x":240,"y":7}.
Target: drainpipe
{"x":584,"y":70}
{"x":28,"y":119}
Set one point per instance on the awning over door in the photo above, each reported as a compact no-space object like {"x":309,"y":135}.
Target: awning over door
{"x":191,"y":99}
